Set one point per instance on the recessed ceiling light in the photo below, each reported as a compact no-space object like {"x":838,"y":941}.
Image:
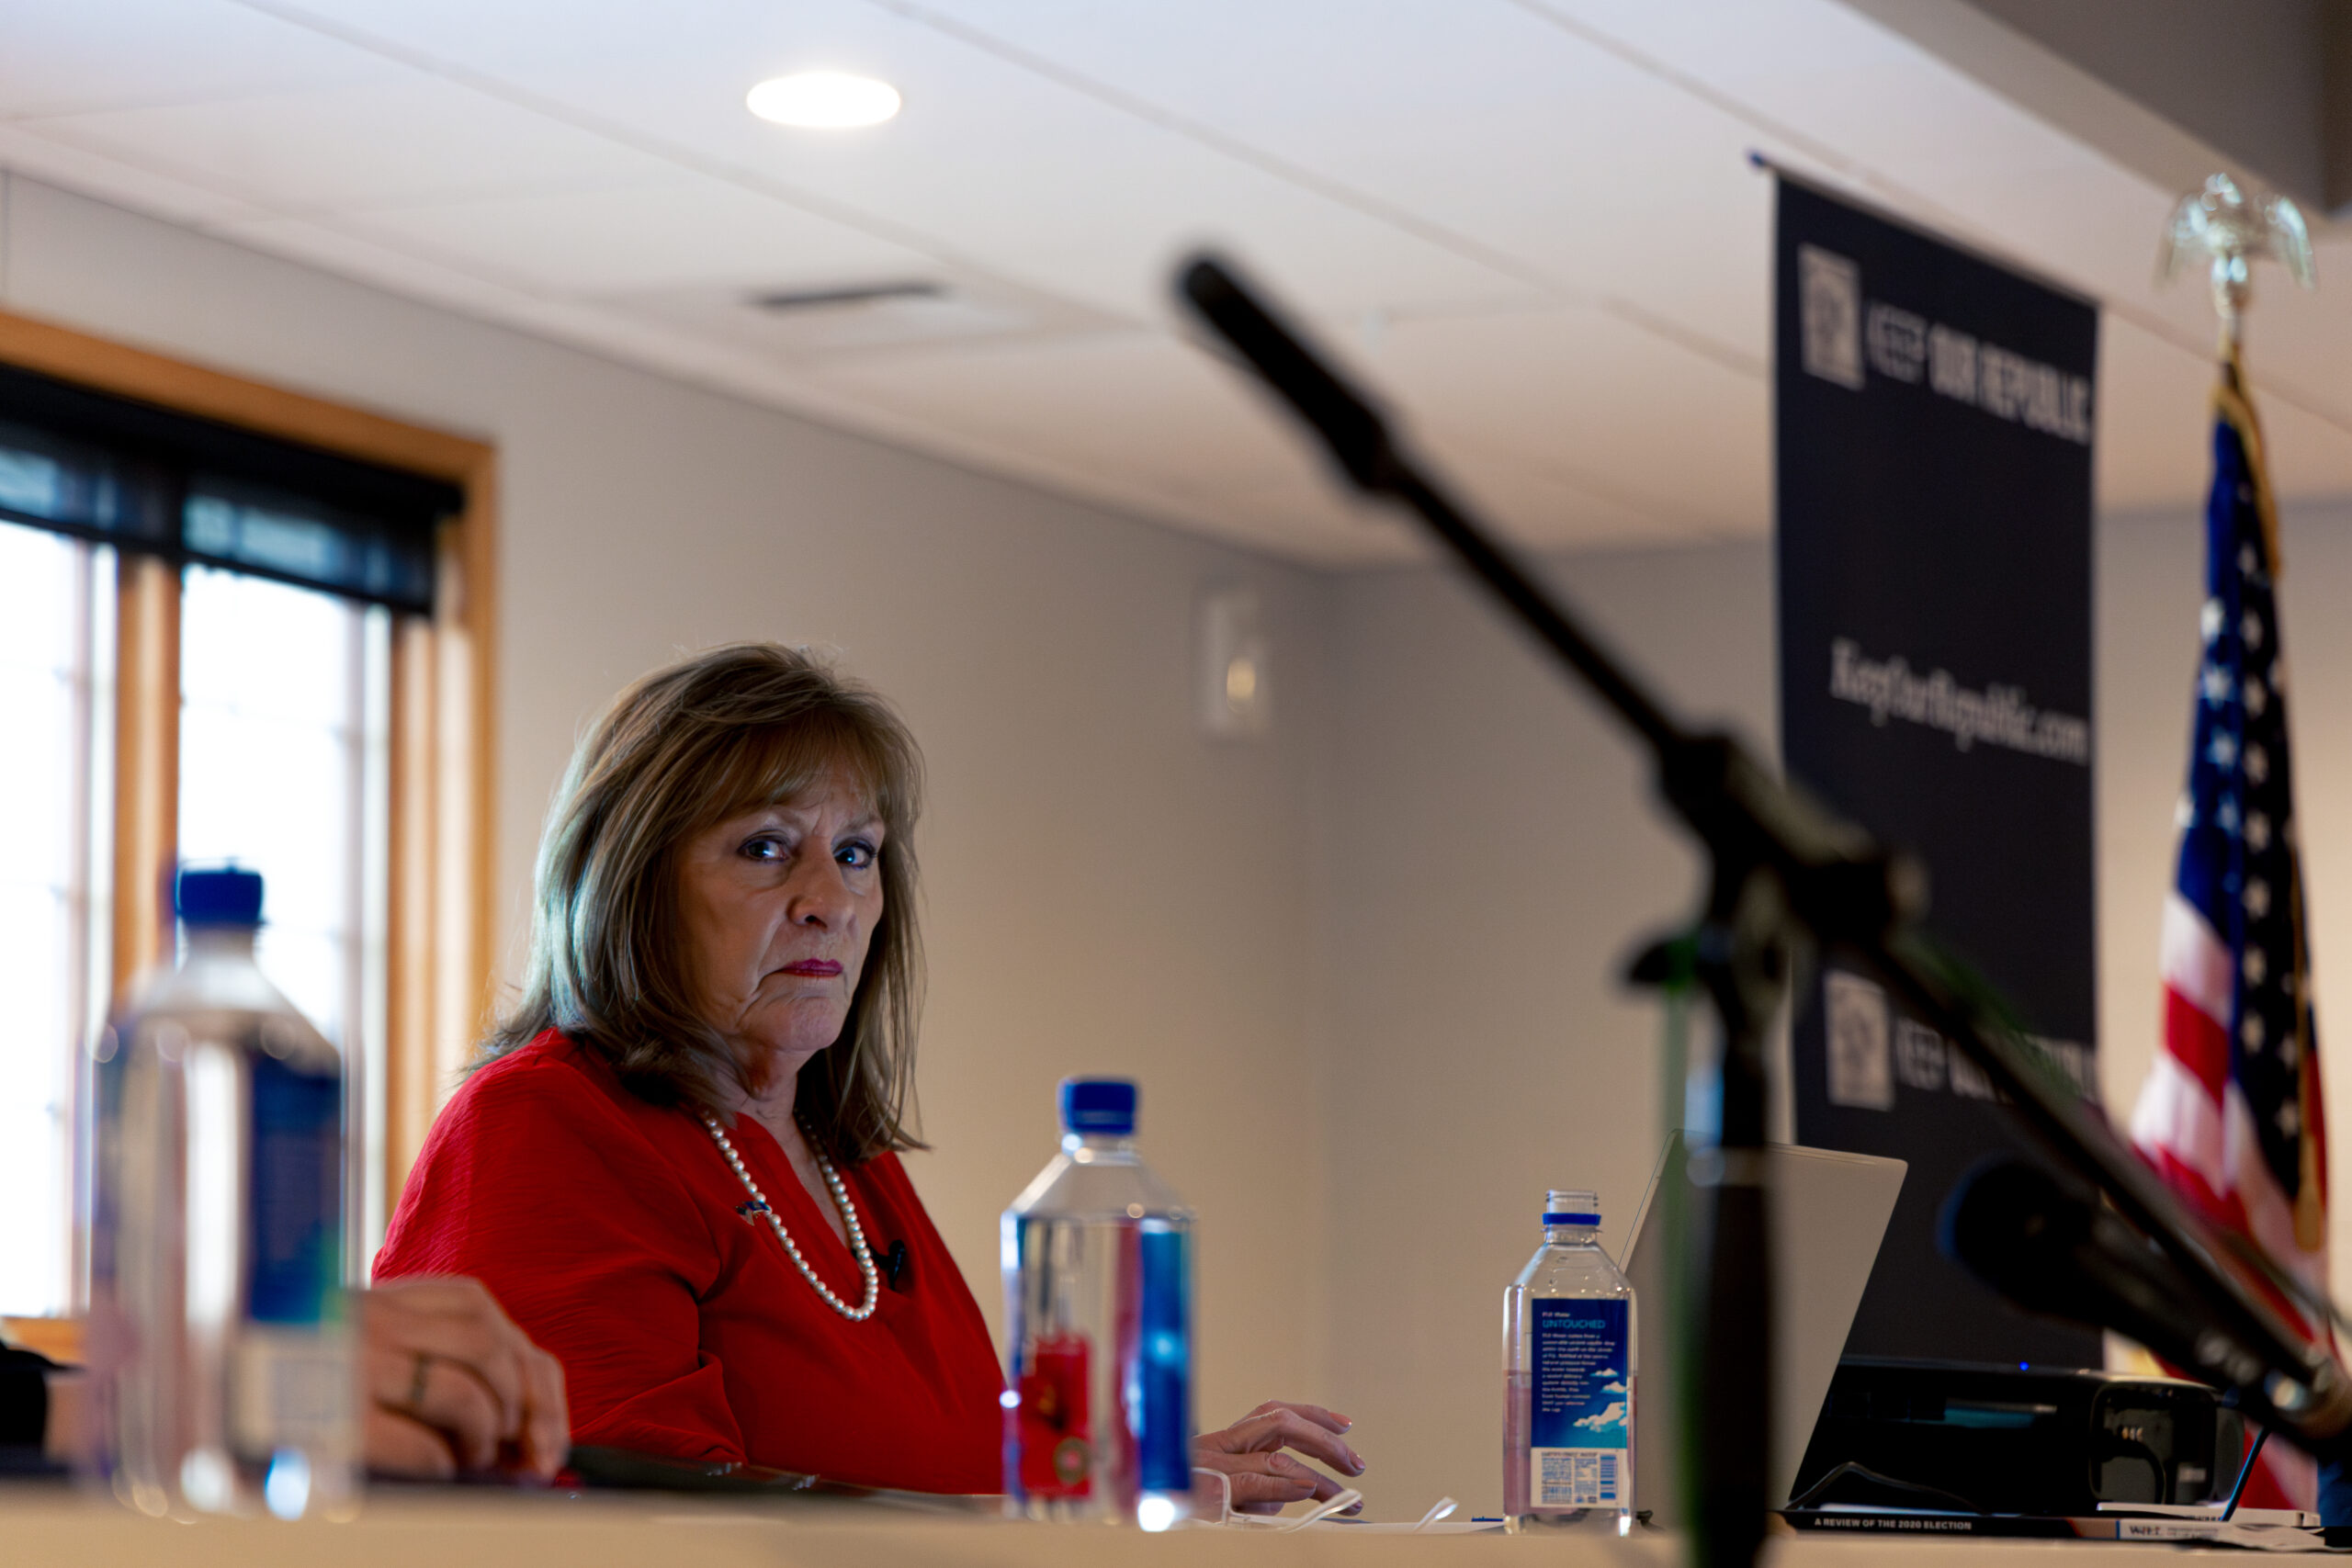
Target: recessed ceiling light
{"x":827,"y":100}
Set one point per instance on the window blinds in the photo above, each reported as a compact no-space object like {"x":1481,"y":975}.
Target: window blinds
{"x":140,"y":477}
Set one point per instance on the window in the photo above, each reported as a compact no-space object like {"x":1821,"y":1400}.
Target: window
{"x":235,"y":624}
{"x":54,"y":646}
{"x":285,"y":769}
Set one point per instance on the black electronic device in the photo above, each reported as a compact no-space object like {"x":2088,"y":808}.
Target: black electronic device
{"x":596,"y":1468}
{"x":1993,"y":1439}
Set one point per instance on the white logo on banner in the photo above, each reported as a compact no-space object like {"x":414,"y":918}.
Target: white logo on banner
{"x":1898,"y":342}
{"x":1840,"y":335}
{"x":1861,"y":1070}
{"x":1998,"y":716}
{"x":1919,"y":1056}
{"x":1829,"y":288}
{"x":1930,"y":1061}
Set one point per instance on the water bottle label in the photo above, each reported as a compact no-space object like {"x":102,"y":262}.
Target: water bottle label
{"x":291,"y":1388}
{"x":1580,"y":1398}
{"x":295,"y":1272}
{"x":1057,"y":1451}
{"x":1163,"y":1413}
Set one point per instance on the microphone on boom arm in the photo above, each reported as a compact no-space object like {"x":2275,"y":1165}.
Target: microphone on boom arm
{"x":2214,"y":1311}
{"x":2052,"y":1251}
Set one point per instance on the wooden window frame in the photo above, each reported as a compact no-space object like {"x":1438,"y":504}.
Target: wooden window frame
{"x":443,"y":694}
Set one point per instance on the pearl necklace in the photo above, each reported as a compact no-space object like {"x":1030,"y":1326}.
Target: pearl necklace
{"x":840,"y":1201}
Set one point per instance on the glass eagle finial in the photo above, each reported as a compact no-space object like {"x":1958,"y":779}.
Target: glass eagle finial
{"x":2222,"y":222}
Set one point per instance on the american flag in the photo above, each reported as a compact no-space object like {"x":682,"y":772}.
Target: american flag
{"x":2230,"y":1111}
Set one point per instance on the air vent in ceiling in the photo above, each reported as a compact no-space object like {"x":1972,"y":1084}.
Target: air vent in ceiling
{"x":842,"y":295}
{"x":790,"y":319}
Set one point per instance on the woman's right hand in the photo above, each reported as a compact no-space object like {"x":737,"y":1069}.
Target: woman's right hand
{"x":1262,"y":1478}
{"x":453,"y":1386}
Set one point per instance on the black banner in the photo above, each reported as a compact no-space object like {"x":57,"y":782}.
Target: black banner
{"x":1933,"y":555}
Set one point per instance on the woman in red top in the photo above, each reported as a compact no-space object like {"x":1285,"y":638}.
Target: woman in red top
{"x":678,"y":1166}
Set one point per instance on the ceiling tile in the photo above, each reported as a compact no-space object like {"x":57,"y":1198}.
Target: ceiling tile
{"x":418,"y":139}
{"x":1597,"y":404}
{"x":67,"y":56}
{"x":1528,"y":223}
{"x":1543,"y":511}
{"x":1482,"y":120}
{"x":27,"y":151}
{"x":1029,"y":176}
{"x":1932,"y":141}
{"x":1123,"y":402}
{"x":1321,"y":518}
{"x":1312,"y":518}
{"x":675,"y":231}
{"x":2154,"y":443}
{"x":337,"y":250}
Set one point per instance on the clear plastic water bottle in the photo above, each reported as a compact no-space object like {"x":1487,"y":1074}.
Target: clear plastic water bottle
{"x":1569,"y":1378}
{"x":224,"y":1379}
{"x":1097,"y":1256}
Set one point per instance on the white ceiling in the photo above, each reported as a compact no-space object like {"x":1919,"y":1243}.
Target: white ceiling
{"x":1531,"y":222}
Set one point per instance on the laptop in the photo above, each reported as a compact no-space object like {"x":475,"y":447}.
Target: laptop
{"x":1828,"y":1214}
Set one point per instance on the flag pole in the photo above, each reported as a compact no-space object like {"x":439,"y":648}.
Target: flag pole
{"x":2230,"y":1112}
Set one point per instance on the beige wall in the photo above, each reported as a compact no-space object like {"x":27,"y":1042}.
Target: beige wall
{"x":1494,"y":859}
{"x":1107,"y":891}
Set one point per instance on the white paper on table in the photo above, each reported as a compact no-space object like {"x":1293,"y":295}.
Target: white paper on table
{"x":1443,"y":1527}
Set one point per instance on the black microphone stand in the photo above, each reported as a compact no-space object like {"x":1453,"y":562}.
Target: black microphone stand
{"x":1785,"y":872}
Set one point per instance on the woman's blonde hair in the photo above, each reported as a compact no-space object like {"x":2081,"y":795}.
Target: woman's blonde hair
{"x":727,"y":731}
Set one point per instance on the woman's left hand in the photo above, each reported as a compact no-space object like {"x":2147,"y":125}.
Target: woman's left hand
{"x":1263,"y":1478}
{"x":454,"y":1385}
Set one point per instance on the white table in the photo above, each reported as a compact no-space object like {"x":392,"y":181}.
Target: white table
{"x":56,"y":1529}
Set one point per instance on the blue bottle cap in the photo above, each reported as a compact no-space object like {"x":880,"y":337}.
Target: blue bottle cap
{"x":1105,"y":1106}
{"x":1571,"y":1206}
{"x":220,"y":895}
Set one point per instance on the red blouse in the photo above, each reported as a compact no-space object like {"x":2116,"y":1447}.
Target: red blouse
{"x":610,"y":1230}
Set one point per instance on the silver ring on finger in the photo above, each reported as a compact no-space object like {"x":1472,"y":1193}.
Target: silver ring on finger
{"x":415,"y":1402}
